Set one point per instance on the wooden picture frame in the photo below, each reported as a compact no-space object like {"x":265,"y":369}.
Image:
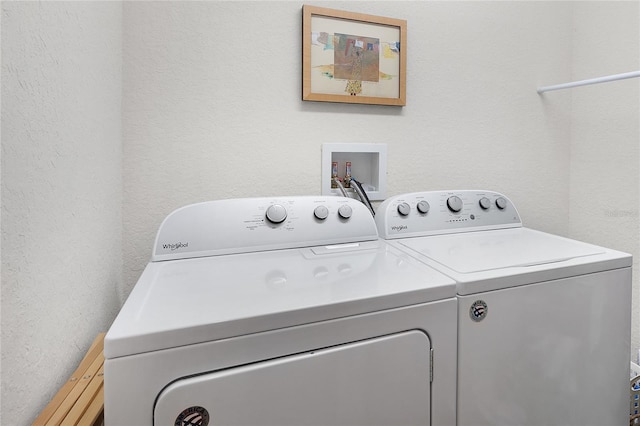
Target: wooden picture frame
{"x":353,"y":58}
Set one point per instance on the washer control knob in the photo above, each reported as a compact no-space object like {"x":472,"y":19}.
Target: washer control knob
{"x":321,"y":212}
{"x":423,"y":207}
{"x":345,"y":211}
{"x":485,"y":203}
{"x":276,"y":213}
{"x":404,"y":209}
{"x":454,"y":203}
{"x":501,"y":203}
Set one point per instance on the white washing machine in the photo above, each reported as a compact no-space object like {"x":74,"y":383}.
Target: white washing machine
{"x":282,"y":311}
{"x":544,"y":322}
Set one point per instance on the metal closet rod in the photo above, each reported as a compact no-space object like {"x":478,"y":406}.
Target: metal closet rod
{"x":604,"y":79}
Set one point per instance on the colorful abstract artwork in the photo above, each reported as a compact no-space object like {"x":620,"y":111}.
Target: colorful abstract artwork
{"x":353,"y":59}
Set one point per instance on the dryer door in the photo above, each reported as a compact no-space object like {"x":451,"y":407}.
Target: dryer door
{"x":380,"y":381}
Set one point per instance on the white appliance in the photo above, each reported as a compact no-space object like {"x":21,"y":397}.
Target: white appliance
{"x":544,"y":322}
{"x":282,"y":311}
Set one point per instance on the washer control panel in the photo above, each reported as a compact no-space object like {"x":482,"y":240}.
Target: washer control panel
{"x":444,"y":212}
{"x":257,"y":224}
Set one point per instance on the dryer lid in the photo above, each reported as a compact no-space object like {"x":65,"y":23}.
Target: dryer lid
{"x":482,"y":251}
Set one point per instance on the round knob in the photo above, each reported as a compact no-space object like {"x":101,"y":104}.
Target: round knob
{"x":501,"y":203}
{"x":423,"y":207}
{"x":321,"y":212}
{"x":454,"y":203}
{"x":404,"y":209}
{"x":485,"y":203}
{"x":276,"y":213}
{"x":345,"y":211}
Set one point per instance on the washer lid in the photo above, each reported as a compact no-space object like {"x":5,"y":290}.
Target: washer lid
{"x":490,"y":250}
{"x":189,"y":301}
{"x":489,"y":260}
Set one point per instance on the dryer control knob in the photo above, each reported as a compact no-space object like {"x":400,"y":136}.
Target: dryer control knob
{"x":321,"y":212}
{"x":276,"y":213}
{"x":345,"y":211}
{"x":404,"y":209}
{"x":454,"y":203}
{"x":485,"y":203}
{"x":423,"y":207}
{"x":501,"y":203}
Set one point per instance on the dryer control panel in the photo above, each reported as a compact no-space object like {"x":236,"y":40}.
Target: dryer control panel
{"x":256,"y":224}
{"x":444,"y":212}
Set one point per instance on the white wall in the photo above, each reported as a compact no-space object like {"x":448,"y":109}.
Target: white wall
{"x":605,"y":140}
{"x":211,"y":109}
{"x":61,"y":192}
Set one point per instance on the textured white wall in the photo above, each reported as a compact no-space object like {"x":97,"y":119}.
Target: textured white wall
{"x":212,"y":107}
{"x":61,"y":192}
{"x":605,"y":140}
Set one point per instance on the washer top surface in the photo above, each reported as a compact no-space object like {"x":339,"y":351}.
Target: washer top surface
{"x":477,"y":238}
{"x":204,"y":298}
{"x":483,"y":251}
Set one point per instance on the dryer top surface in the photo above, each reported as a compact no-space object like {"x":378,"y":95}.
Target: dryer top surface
{"x":189,"y":301}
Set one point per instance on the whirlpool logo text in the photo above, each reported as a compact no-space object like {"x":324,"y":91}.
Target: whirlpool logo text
{"x":398,"y":227}
{"x":175,"y":246}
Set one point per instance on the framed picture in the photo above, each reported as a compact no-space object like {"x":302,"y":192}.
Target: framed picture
{"x":353,"y":58}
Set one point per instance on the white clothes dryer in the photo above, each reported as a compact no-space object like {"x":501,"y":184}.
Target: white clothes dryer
{"x":544,"y":322}
{"x":282,"y":311}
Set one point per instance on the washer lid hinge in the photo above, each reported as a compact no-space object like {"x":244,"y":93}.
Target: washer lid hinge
{"x":431,"y":365}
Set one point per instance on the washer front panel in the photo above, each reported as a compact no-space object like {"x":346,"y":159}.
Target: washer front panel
{"x":383,"y":380}
{"x":552,"y":353}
